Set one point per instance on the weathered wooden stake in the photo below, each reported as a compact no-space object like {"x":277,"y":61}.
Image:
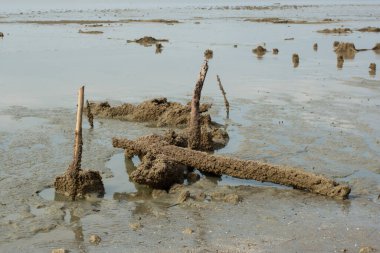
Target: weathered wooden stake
{"x":226,"y":103}
{"x":194,"y":123}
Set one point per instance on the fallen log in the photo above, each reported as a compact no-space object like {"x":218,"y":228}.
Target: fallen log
{"x":245,"y":169}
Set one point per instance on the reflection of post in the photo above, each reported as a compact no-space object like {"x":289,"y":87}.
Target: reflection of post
{"x":76,"y":227}
{"x":195,"y":125}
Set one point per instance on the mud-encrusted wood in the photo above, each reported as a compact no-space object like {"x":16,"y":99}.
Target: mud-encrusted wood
{"x":245,"y":169}
{"x":226,"y":103}
{"x":194,"y":123}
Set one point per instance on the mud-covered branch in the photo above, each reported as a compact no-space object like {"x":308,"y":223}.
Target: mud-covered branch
{"x":194,"y":123}
{"x":245,"y":169}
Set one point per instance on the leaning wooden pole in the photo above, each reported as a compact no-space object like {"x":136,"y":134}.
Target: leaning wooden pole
{"x":76,"y":182}
{"x":194,"y":123}
{"x":226,"y":103}
{"x":245,"y":169}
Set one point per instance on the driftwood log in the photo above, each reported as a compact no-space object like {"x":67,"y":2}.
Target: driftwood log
{"x":75,"y":182}
{"x":194,"y":123}
{"x":245,"y":169}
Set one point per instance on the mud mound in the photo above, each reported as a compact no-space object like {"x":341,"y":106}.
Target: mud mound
{"x":275,"y":51}
{"x":369,"y":29}
{"x":287,"y":21}
{"x":158,"y":110}
{"x":158,"y":172}
{"x":259,"y":51}
{"x":147,"y":41}
{"x":347,"y":50}
{"x":336,"y":30}
{"x":88,"y":182}
{"x":295,"y":60}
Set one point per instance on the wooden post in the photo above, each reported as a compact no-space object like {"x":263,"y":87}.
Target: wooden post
{"x":224,"y":96}
{"x":194,"y":123}
{"x":78,"y":143}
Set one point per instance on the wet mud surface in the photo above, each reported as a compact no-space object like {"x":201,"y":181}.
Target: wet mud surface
{"x":316,"y":116}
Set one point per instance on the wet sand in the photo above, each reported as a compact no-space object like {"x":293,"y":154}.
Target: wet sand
{"x":314,"y":116}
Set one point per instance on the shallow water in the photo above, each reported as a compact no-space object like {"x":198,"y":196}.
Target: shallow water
{"x":315,"y":116}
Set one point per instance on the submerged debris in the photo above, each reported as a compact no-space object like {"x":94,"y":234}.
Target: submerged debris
{"x":295,"y":60}
{"x":159,"y":48}
{"x":369,"y":29}
{"x":336,"y":30}
{"x":95,"y":239}
{"x":339,"y":61}
{"x":259,"y":51}
{"x":275,"y":51}
{"x":90,"y":116}
{"x":1,"y":35}
{"x":372,"y":69}
{"x":147,"y":41}
{"x":315,"y":46}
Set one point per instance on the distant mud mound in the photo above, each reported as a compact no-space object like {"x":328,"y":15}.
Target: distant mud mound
{"x":147,"y":41}
{"x":346,"y":49}
{"x":369,"y":29}
{"x":376,"y":47}
{"x":336,"y":30}
{"x":158,"y":111}
{"x":259,"y":51}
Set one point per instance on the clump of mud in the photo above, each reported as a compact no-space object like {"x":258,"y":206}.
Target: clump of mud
{"x":90,"y":32}
{"x":346,"y":49}
{"x":336,"y":30}
{"x":295,"y":60}
{"x":275,"y":51}
{"x":369,"y":29}
{"x":208,"y":54}
{"x":158,"y":111}
{"x":315,"y":46}
{"x":87,"y":182}
{"x":1,"y":35}
{"x":259,"y":51}
{"x":158,"y":172}
{"x":147,"y":41}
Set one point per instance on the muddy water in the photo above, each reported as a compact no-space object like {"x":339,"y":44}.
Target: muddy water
{"x":315,"y":116}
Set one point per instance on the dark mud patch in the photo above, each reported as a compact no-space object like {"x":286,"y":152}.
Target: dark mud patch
{"x":90,"y":32}
{"x":288,"y":21}
{"x":159,"y":111}
{"x":147,"y":41}
{"x":369,"y":29}
{"x":336,"y":31}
